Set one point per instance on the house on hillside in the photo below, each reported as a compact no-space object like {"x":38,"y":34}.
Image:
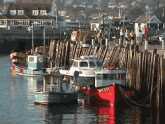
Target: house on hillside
{"x":151,"y":22}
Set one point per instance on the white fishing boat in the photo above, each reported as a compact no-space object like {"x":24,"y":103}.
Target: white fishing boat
{"x":83,"y":69}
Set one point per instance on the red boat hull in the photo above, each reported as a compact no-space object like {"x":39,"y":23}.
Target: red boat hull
{"x":109,"y":95}
{"x":106,"y":95}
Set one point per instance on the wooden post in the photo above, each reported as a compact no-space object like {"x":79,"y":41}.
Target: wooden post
{"x":162,"y":44}
{"x":145,"y":44}
{"x":106,"y":42}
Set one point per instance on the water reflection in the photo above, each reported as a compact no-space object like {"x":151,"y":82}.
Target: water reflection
{"x":106,"y":115}
{"x":125,"y":115}
{"x":80,"y":114}
{"x":62,"y":114}
{"x":16,"y":105}
{"x":34,"y":84}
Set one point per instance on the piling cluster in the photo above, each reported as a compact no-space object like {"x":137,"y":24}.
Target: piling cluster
{"x":146,"y":70}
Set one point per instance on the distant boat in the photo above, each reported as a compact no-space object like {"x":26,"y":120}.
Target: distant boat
{"x":57,"y":92}
{"x":30,"y":65}
{"x":107,"y":87}
{"x":83,"y":70}
{"x":33,"y":64}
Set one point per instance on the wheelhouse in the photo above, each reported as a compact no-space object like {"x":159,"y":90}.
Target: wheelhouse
{"x":86,"y":62}
{"x":107,"y":77}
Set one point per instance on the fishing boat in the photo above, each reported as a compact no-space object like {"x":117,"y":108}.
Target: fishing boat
{"x":33,"y":63}
{"x":30,"y":65}
{"x":107,"y":87}
{"x":57,"y":92}
{"x":83,"y":70}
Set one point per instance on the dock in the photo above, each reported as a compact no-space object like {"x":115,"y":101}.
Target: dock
{"x":146,"y":68}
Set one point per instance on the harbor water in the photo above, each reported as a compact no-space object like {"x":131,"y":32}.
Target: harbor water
{"x":17,"y":105}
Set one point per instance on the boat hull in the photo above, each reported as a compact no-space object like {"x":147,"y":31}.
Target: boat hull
{"x":20,"y":70}
{"x":55,"y":98}
{"x":109,"y":95}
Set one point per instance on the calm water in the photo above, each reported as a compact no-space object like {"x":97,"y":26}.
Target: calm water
{"x":16,"y":106}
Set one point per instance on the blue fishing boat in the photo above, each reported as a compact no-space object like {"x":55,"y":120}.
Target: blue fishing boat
{"x":58,"y":91}
{"x":34,"y":65}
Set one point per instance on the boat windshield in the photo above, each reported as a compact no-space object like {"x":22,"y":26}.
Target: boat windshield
{"x":31,"y":59}
{"x":106,"y":76}
{"x":83,"y":64}
{"x":111,"y":76}
{"x":92,"y":64}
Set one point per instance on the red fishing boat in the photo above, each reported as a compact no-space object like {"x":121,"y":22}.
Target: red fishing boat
{"x":108,"y":85}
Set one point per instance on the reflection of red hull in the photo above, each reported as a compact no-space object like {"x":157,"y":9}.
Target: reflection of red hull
{"x":109,"y":94}
{"x":107,"y":115}
{"x":17,"y":69}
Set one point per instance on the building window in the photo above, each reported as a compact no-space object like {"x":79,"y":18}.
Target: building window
{"x":43,"y":12}
{"x":13,"y":12}
{"x":20,"y":12}
{"x":35,"y":12}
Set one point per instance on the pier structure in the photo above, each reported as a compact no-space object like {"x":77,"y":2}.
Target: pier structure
{"x":146,"y":69}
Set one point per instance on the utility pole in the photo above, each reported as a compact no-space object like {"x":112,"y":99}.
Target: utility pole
{"x":32,"y":38}
{"x":156,"y":4}
{"x":44,"y":41}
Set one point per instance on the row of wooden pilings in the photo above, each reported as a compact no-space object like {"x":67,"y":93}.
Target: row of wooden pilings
{"x":146,"y":69}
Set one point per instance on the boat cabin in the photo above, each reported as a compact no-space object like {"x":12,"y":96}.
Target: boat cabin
{"x":107,"y":77}
{"x":86,"y":62}
{"x":84,"y":67}
{"x":35,"y":62}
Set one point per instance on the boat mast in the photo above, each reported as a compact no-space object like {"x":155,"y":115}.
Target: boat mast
{"x":44,"y":84}
{"x":44,"y":42}
{"x":32,"y":39}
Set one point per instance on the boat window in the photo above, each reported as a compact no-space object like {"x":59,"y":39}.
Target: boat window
{"x":106,"y":76}
{"x":83,"y":64}
{"x":92,"y":64}
{"x":99,"y":76}
{"x":75,"y":64}
{"x":40,"y":59}
{"x":31,"y":59}
{"x":109,"y":76}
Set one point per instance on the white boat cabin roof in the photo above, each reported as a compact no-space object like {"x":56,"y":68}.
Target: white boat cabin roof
{"x":87,"y":61}
{"x":105,"y":77}
{"x":91,"y":57}
{"x":111,"y":71}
